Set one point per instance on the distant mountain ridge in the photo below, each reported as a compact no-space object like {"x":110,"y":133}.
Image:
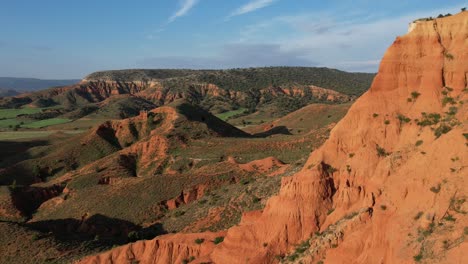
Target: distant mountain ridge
{"x":243,"y":79}
{"x":284,"y":88}
{"x":31,"y":84}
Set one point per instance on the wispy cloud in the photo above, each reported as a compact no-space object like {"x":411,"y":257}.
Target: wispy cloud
{"x":185,"y":7}
{"x":251,"y":6}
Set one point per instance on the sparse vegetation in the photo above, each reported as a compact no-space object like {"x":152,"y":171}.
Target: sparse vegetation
{"x":403,"y":119}
{"x":448,"y":100}
{"x":419,"y":143}
{"x":387,"y":122}
{"x":218,"y":240}
{"x":331,"y":170}
{"x":418,"y":257}
{"x":415,"y":95}
{"x":429,"y":119}
{"x":381,"y":152}
{"x":449,"y":56}
{"x":418,"y":215}
{"x":133,"y":236}
{"x":383,"y":207}
{"x":199,"y":241}
{"x":442,"y":129}
{"x":450,"y":218}
{"x":435,"y":189}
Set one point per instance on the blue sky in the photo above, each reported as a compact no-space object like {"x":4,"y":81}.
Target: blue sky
{"x":69,"y":39}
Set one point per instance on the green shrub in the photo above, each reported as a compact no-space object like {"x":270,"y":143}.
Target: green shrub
{"x":435,"y":189}
{"x":387,"y":122}
{"x":218,"y":240}
{"x":415,"y":95}
{"x":245,"y":181}
{"x":403,"y":119}
{"x":418,"y":215}
{"x":381,"y":151}
{"x":419,"y":143}
{"x":331,"y":170}
{"x":375,"y":115}
{"x":429,"y":119}
{"x":452,"y":110}
{"x":448,"y":100}
{"x":330,"y":211}
{"x":199,"y":241}
{"x":450,"y":218}
{"x":449,"y":56}
{"x":179,"y":213}
{"x":418,"y":257}
{"x":442,"y":129}
{"x":133,"y":236}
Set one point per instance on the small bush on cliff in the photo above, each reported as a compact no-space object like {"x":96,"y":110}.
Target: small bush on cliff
{"x":450,"y":218}
{"x":419,"y":143}
{"x":418,"y":215}
{"x":381,"y":152}
{"x":133,"y":236}
{"x":179,"y":213}
{"x":387,"y":122}
{"x":449,"y":56}
{"x":418,"y":257}
{"x":218,"y":240}
{"x":403,"y":119}
{"x":453,"y":110}
{"x":415,"y":95}
{"x":448,"y":100}
{"x":435,"y":189}
{"x":199,"y":241}
{"x":429,"y":119}
{"x":331,"y":170}
{"x":442,"y":129}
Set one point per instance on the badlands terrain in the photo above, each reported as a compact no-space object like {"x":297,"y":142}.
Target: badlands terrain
{"x":259,"y":165}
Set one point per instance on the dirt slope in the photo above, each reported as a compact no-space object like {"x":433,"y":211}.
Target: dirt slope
{"x":387,"y":187}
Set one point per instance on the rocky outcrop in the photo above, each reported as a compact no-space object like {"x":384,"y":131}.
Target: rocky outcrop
{"x":389,"y":182}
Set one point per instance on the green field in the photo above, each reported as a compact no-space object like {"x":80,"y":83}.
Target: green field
{"x":9,"y":123}
{"x":226,"y":115}
{"x":12,"y":113}
{"x":46,"y":123}
{"x":13,"y":135}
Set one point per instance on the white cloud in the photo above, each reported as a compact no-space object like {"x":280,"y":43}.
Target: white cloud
{"x":352,"y":43}
{"x":251,"y":6}
{"x":185,"y":7}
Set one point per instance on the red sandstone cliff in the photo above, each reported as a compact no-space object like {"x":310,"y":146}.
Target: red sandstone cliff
{"x":389,"y":186}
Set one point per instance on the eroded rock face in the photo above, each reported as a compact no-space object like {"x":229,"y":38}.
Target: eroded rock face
{"x":384,"y":183}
